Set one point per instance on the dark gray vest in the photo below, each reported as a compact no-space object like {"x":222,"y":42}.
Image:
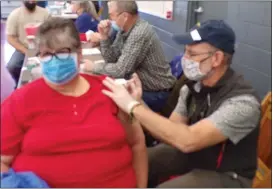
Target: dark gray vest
{"x":225,"y":157}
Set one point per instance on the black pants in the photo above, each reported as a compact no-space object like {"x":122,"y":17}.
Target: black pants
{"x":166,"y":161}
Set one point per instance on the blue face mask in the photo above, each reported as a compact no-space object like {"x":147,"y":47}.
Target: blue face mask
{"x":115,"y":26}
{"x":60,"y":71}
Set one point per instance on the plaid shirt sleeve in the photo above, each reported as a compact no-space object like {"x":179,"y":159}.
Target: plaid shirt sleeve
{"x":109,"y":50}
{"x":133,"y":53}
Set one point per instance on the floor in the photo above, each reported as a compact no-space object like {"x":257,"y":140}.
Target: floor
{"x":7,"y":84}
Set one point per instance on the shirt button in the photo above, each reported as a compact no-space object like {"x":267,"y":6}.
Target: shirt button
{"x":75,"y":113}
{"x":74,"y":106}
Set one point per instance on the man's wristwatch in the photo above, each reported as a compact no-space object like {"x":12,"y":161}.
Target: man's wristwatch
{"x":131,"y":108}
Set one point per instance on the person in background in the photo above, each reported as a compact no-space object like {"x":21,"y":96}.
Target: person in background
{"x":210,"y":139}
{"x":88,"y":18}
{"x":42,"y":4}
{"x":136,"y":48}
{"x":63,"y":129}
{"x":15,"y":30}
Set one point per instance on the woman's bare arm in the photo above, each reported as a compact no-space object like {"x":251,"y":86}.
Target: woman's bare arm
{"x":136,"y":139}
{"x":5,"y":163}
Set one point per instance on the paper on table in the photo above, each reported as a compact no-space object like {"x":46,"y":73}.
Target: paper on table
{"x":92,"y":51}
{"x":24,"y":68}
{"x":99,"y":62}
{"x":34,"y":60}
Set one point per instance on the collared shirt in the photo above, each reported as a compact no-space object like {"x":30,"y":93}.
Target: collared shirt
{"x":138,"y":50}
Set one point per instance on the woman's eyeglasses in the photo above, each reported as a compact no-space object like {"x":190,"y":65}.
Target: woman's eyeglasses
{"x":62,"y":54}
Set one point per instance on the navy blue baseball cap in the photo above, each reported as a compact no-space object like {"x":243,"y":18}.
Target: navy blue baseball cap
{"x":215,"y":32}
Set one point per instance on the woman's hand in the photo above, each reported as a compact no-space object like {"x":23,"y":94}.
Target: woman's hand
{"x":119,"y":94}
{"x":134,"y":87}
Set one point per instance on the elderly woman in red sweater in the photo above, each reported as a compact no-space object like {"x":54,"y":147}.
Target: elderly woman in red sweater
{"x":62,"y":128}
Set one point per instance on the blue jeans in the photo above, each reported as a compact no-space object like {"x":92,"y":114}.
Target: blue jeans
{"x":155,"y":100}
{"x":15,"y":65}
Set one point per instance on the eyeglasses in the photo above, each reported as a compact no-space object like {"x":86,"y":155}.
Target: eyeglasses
{"x":63,"y":54}
{"x":191,"y":54}
{"x":115,"y":16}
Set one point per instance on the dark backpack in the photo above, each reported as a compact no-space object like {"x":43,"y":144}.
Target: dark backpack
{"x":176,"y":66}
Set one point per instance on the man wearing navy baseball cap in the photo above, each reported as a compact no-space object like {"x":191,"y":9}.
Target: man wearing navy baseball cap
{"x":211,"y":137}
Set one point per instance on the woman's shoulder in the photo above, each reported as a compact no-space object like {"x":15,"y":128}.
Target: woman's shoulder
{"x":85,"y":15}
{"x":94,"y":79}
{"x":96,"y":84}
{"x":32,"y":86}
{"x":29,"y":92}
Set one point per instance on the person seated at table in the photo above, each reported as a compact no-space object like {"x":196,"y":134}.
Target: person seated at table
{"x":88,"y":18}
{"x":62,"y":128}
{"x":211,"y":137}
{"x":136,"y":48}
{"x":16,"y":36}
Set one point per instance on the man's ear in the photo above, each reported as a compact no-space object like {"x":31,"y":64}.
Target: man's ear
{"x":128,"y":15}
{"x":218,"y":58}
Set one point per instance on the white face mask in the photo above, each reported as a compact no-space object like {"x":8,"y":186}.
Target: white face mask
{"x":192,"y":70}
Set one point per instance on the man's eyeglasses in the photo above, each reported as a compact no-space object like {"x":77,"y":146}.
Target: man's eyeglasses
{"x":193,"y":54}
{"x":115,"y":16}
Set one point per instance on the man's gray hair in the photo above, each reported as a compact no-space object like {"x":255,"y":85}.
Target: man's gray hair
{"x":127,"y":6}
{"x":55,"y":32}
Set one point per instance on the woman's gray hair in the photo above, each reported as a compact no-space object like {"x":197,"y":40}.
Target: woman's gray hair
{"x":56,"y":32}
{"x":89,"y":7}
